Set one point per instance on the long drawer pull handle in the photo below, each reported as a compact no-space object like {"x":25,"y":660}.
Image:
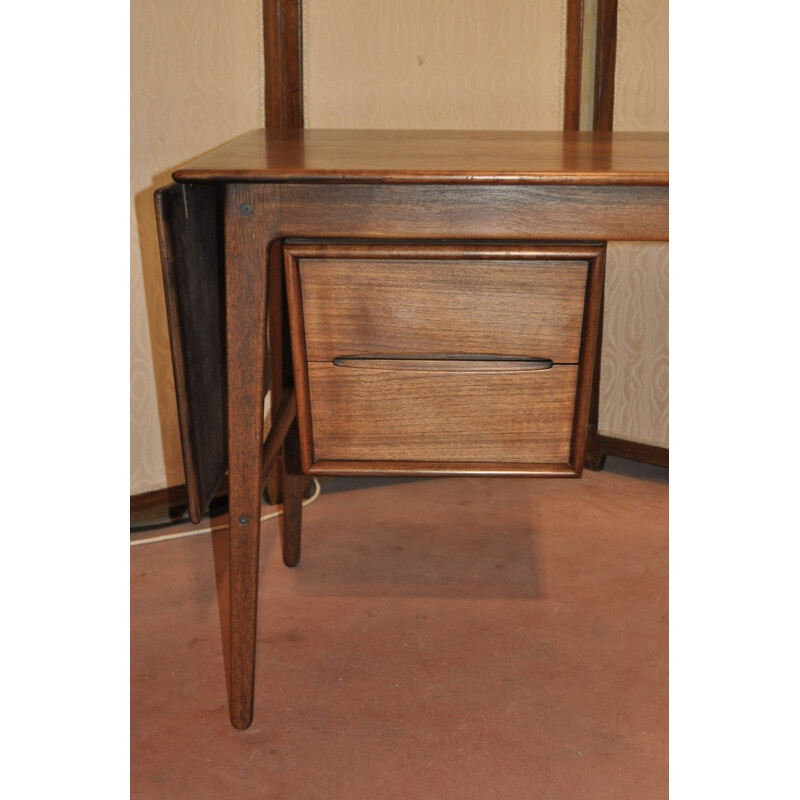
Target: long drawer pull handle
{"x":445,"y":363}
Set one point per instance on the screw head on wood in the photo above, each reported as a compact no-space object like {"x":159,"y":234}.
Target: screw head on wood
{"x":243,"y":520}
{"x":246,"y":209}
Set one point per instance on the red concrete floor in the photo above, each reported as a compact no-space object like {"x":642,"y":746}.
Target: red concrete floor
{"x":441,"y":639}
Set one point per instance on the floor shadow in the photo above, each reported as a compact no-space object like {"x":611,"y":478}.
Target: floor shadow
{"x":636,"y":469}
{"x":414,"y":538}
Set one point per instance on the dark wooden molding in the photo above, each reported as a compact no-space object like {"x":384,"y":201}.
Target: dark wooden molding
{"x":189,"y":236}
{"x":635,"y":451}
{"x":172,"y":503}
{"x":598,"y":447}
{"x":573,"y":65}
{"x":283,"y":63}
{"x":593,"y":455}
{"x":605,"y":64}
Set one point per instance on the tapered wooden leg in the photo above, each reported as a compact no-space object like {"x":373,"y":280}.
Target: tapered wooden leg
{"x":249,"y":215}
{"x":293,"y":486}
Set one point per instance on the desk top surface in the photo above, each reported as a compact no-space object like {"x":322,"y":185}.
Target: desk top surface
{"x":441,"y":157}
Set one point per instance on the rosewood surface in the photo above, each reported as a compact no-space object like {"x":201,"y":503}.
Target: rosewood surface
{"x":490,"y":157}
{"x":191,"y":257}
{"x":449,"y":194}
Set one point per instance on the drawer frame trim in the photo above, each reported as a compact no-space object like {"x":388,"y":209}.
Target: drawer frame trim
{"x":329,"y":248}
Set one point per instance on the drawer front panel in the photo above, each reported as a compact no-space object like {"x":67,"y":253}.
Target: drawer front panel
{"x":508,"y":308}
{"x":442,"y":357}
{"x":458,"y":415}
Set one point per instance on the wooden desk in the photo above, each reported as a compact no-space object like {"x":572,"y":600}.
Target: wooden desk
{"x":448,"y":282}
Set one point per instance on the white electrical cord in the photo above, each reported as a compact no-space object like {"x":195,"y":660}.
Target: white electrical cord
{"x":199,"y":531}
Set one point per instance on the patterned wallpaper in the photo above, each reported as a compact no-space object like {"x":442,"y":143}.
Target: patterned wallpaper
{"x":641,"y":90}
{"x":463,"y":64}
{"x":634,"y":375}
{"x":196,"y":82}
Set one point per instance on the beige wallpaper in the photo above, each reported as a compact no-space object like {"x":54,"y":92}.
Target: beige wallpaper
{"x":641,"y":90}
{"x":196,"y":82}
{"x":463,"y":64}
{"x":634,"y":374}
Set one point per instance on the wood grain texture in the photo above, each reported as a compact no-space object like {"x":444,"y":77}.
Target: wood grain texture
{"x":287,"y":413}
{"x":188,"y":219}
{"x":605,"y":62}
{"x":351,"y":317}
{"x":581,"y":158}
{"x":250,"y":223}
{"x":590,"y":335}
{"x":594,"y":458}
{"x":522,"y":469}
{"x":635,"y":451}
{"x":283,"y":63}
{"x":509,"y":308}
{"x":573,"y":65}
{"x":407,"y":421}
{"x":424,"y":415}
{"x":492,"y":212}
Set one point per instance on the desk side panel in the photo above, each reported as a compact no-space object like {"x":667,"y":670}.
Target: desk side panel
{"x":191,"y":258}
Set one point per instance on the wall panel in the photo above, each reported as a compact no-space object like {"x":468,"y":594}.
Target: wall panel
{"x":641,"y":93}
{"x":196,"y":82}
{"x":634,"y":375}
{"x":458,"y":64}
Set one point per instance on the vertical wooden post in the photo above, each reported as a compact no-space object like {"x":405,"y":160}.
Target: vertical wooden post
{"x":283,"y":91}
{"x":283,"y":63}
{"x":604,"y":76}
{"x":250,"y":223}
{"x":572,"y":67}
{"x":605,"y":65}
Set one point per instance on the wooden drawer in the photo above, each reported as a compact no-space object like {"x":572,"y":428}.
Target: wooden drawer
{"x":510,"y":307}
{"x":441,"y":414}
{"x":445,"y":358}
